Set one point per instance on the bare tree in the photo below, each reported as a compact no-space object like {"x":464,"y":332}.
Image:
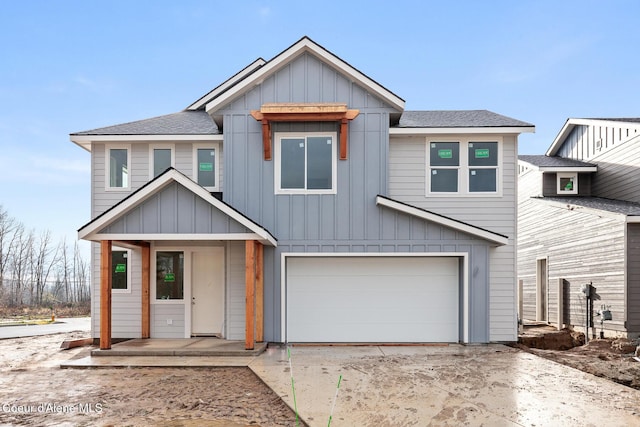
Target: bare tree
{"x":20,"y":263}
{"x":43,"y":260}
{"x":7,"y":234}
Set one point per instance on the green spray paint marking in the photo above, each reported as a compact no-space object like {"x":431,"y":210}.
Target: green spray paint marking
{"x":293,"y":388}
{"x":334,"y":400}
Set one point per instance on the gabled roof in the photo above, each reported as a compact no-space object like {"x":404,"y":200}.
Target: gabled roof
{"x":557,"y":164}
{"x":570,"y":124}
{"x":475,"y":121}
{"x":629,"y":209}
{"x":305,"y":44}
{"x":443,"y":220}
{"x":186,"y":124}
{"x":89,"y":230}
{"x":200,"y":103}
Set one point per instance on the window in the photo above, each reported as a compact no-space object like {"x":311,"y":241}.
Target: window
{"x":118,"y":158}
{"x":567,"y":183}
{"x":160,"y":159}
{"x":305,"y":163}
{"x":463,"y":167}
{"x":206,"y":163}
{"x":169,"y":275}
{"x":120,"y":270}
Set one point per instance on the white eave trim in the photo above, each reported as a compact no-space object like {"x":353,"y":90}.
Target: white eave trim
{"x":558,"y":168}
{"x":99,"y":223}
{"x":304,"y":45}
{"x":571,"y":123}
{"x":120,"y":237}
{"x":633,"y":219}
{"x":85,"y":141}
{"x":461,"y":130}
{"x":447,"y":222}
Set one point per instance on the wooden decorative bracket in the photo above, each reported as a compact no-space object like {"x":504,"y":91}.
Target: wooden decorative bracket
{"x":286,"y":112}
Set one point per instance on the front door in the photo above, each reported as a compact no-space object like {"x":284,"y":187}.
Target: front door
{"x":207,"y":292}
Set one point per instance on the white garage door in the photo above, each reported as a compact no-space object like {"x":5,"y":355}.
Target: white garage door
{"x":372,"y":299}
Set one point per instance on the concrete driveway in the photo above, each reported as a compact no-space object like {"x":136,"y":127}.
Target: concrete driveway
{"x":452,"y":385}
{"x":61,"y":325}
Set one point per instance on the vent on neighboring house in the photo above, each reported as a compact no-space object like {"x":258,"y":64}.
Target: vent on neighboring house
{"x":599,"y":144}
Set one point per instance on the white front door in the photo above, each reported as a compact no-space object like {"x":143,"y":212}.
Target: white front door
{"x":207,"y":292}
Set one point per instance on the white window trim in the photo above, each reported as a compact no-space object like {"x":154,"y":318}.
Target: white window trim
{"x":128,"y":290}
{"x":153,"y":147}
{"x":216,"y":147}
{"x":573,"y":175}
{"x":107,"y":166}
{"x":463,"y":168}
{"x":277,"y":161}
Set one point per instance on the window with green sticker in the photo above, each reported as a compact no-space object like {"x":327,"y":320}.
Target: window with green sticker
{"x":169,"y":275}
{"x":206,"y":163}
{"x":119,"y":270}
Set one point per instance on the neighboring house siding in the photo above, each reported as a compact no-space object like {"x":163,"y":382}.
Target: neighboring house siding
{"x":633,"y":280}
{"x":581,"y":247}
{"x":235,"y":306}
{"x":618,"y":175}
{"x":588,"y":142}
{"x":407,"y":183}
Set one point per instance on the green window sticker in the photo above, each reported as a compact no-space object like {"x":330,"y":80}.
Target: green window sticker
{"x":206,"y":167}
{"x":121,"y":268}
{"x":445,"y":153}
{"x":482,"y":153}
{"x":170,"y":277}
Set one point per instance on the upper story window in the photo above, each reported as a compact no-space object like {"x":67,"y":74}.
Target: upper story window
{"x":160,"y":159}
{"x":463,"y":167}
{"x":567,"y":183}
{"x":117,"y":170}
{"x":305,"y":163}
{"x":206,"y":165}
{"x":120,"y":271}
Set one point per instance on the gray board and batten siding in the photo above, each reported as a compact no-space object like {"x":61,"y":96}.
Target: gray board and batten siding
{"x":348,"y":221}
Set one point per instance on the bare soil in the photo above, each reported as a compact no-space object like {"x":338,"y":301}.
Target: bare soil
{"x":607,"y":358}
{"x":35,"y":391}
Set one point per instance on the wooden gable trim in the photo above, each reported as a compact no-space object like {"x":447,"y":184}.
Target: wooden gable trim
{"x":288,"y":112}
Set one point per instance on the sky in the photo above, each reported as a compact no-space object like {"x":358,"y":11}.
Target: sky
{"x":73,"y":65}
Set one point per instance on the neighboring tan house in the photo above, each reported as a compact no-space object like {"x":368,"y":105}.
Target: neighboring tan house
{"x":299,"y":202}
{"x":579,"y":221}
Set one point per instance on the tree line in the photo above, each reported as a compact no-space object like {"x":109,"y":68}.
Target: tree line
{"x":36,"y":271}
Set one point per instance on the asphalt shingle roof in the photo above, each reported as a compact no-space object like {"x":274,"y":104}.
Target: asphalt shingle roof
{"x":608,"y":205}
{"x":541,"y":160}
{"x":182,"y":123}
{"x":457,"y":119}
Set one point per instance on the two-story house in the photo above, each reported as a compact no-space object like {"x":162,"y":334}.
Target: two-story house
{"x":299,"y":202}
{"x":579,"y":223}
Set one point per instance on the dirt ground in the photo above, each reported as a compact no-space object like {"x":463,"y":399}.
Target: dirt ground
{"x":607,"y":358}
{"x":35,"y":391}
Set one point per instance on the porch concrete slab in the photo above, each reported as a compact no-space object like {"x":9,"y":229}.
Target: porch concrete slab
{"x":157,"y":362}
{"x":442,"y":385}
{"x":181,"y":347}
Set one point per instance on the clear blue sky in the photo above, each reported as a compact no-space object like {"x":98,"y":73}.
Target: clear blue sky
{"x":68,"y":66}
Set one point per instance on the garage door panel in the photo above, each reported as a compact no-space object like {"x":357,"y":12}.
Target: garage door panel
{"x":372,"y":299}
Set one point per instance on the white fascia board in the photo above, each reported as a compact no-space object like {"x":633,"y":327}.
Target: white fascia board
{"x":634,"y":219}
{"x":456,"y":225}
{"x":464,"y":131}
{"x":85,"y":140}
{"x":157,"y":185}
{"x":571,"y":123}
{"x":96,"y":237}
{"x":567,"y":169}
{"x":304,"y":45}
{"x":227,"y":84}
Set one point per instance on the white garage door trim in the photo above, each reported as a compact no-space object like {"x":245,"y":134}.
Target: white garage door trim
{"x":465,"y":288}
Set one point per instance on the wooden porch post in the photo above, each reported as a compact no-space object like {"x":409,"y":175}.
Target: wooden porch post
{"x":259,"y":292}
{"x":105,"y":294}
{"x":250,"y":296}
{"x":146,"y":285}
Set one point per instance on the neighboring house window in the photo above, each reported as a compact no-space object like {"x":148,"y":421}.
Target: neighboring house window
{"x":160,"y":159}
{"x":463,"y":167}
{"x":305,"y":163}
{"x":567,"y":183}
{"x":206,"y":165}
{"x":118,"y":160}
{"x":170,"y":275}
{"x":120,"y":271}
